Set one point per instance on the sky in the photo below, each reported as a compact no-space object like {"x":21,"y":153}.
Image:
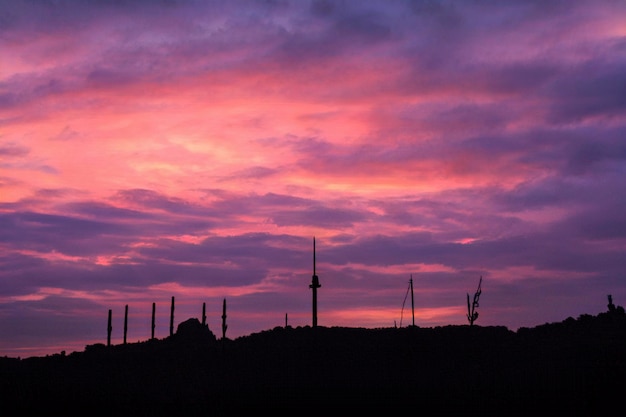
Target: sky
{"x":195,"y":149}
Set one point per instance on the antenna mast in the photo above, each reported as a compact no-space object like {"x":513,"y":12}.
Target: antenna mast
{"x":315,"y":284}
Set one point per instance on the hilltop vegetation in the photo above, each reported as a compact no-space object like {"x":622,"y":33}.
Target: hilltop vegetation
{"x":575,"y":367}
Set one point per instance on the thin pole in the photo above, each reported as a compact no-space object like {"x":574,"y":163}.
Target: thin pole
{"x":203,"y":314}
{"x":153,"y":312}
{"x":412,"y":302}
{"x":125,"y":322}
{"x":172,"y":318}
{"x":109,"y":329}
{"x":406,"y":295}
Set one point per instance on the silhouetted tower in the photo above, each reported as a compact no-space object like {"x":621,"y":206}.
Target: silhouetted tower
{"x":203,"y":314}
{"x":125,"y":322}
{"x":224,"y":325}
{"x":172,"y":318}
{"x":109,"y":329}
{"x":412,"y":303}
{"x":315,"y":284}
{"x":153,"y":314}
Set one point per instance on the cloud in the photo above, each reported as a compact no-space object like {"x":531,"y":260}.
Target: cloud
{"x":592,"y":89}
{"x":12,"y":150}
{"x":195,"y":148}
{"x":256,"y":172}
{"x":152,"y":200}
{"x":55,"y":319}
{"x":65,"y":234}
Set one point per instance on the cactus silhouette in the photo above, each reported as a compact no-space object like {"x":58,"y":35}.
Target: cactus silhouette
{"x":172,"y":318}
{"x":125,"y":322}
{"x":153,"y":324}
{"x":224,"y":325}
{"x":109,"y":329}
{"x":472,"y":314}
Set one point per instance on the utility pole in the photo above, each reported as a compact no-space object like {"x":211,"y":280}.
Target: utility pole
{"x":315,"y":284}
{"x":203,"y":314}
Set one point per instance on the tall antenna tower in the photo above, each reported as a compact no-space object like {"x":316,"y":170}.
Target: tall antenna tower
{"x":315,"y":284}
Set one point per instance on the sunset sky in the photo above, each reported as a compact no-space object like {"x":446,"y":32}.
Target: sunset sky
{"x":151,"y":149}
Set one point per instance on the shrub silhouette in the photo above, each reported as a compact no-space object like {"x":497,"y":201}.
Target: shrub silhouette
{"x":192,"y":331}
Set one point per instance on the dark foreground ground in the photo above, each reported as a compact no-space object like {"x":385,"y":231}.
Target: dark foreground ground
{"x":573,"y":368}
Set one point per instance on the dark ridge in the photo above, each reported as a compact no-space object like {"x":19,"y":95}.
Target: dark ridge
{"x":572,"y":368}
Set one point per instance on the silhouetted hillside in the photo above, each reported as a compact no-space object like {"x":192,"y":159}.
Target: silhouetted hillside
{"x":576,"y":367}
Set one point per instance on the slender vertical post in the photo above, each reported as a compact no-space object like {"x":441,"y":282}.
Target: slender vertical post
{"x":153,"y":312}
{"x":285,"y":320}
{"x":109,"y":329}
{"x":412,"y":303}
{"x":125,"y":322}
{"x":203,"y":314}
{"x":315,"y":284}
{"x":172,"y":318}
{"x":224,"y":325}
